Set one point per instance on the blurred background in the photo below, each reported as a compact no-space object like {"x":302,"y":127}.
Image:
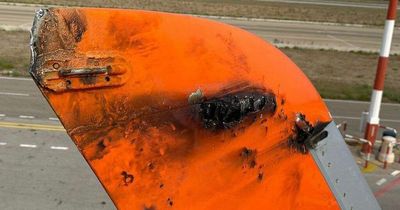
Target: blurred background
{"x":335,"y":42}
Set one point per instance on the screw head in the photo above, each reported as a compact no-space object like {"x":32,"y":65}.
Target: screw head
{"x":40,"y":13}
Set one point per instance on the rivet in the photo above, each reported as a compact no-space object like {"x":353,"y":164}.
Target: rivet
{"x":56,"y":65}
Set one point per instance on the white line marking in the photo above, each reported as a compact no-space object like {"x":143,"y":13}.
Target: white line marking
{"x":16,"y":78}
{"x":345,"y":117}
{"x":54,"y":119}
{"x":342,"y":40}
{"x":59,"y":148}
{"x":389,"y":120}
{"x":2,"y":115}
{"x":356,"y":102}
{"x":395,"y":173}
{"x":28,"y":145}
{"x":3,"y":143}
{"x":26,"y":117}
{"x":358,"y":118}
{"x":13,"y":94}
{"x":381,"y":181}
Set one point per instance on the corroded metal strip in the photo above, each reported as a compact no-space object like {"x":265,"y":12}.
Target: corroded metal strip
{"x":84,"y":71}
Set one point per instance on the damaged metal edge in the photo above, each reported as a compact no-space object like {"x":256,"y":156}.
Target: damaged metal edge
{"x":341,"y":172}
{"x":37,"y":22}
{"x":84,"y":71}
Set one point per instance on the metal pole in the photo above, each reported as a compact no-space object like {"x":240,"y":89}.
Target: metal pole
{"x":386,"y":156}
{"x":376,"y":98}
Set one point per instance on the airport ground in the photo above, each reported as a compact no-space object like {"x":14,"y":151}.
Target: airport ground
{"x":339,"y":59}
{"x":42,"y":169}
{"x":366,"y":12}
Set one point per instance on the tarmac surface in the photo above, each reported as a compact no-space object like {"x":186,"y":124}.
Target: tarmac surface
{"x":279,"y":32}
{"x":343,"y":3}
{"x":42,"y":169}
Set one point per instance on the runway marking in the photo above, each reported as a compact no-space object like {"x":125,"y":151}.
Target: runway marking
{"x":16,"y":78}
{"x":2,"y":115}
{"x":28,"y":145}
{"x":32,"y":126}
{"x":357,"y":118}
{"x":26,"y":117}
{"x":381,"y":181}
{"x":387,"y":187}
{"x":53,"y":119}
{"x":395,"y":173}
{"x":342,"y":40}
{"x":13,"y":94}
{"x":345,"y":117}
{"x":59,"y":148}
{"x":35,"y":146}
{"x":371,"y":168}
{"x":356,"y":102}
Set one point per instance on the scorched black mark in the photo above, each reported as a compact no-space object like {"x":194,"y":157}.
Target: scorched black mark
{"x":127,"y":178}
{"x":231,"y":109}
{"x":307,"y":136}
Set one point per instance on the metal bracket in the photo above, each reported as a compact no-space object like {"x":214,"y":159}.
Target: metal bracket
{"x":341,"y":172}
{"x":57,"y":66}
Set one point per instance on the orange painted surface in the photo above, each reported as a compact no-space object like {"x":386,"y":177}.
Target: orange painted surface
{"x":137,"y":131}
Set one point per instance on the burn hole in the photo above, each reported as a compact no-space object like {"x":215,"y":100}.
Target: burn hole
{"x":149,"y":208}
{"x":170,"y":202}
{"x":260,"y":176}
{"x":229,"y":110}
{"x":306,"y":135}
{"x":248,"y":157}
{"x":127,"y":178}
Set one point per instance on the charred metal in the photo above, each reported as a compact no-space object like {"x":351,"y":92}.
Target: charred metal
{"x":246,"y":152}
{"x":229,"y":110}
{"x":149,"y":208}
{"x":307,"y":136}
{"x":170,"y":202}
{"x":127,"y":178}
{"x":260,"y":176}
{"x":248,"y":157}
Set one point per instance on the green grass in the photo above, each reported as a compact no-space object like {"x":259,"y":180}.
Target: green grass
{"x":329,"y":89}
{"x":335,"y":74}
{"x":346,"y":75}
{"x":361,"y":92}
{"x":4,"y":64}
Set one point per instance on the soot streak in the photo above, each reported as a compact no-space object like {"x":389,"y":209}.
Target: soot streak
{"x":227,"y":111}
{"x":307,"y":136}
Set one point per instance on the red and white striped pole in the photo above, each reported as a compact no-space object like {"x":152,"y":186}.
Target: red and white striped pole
{"x":376,"y":98}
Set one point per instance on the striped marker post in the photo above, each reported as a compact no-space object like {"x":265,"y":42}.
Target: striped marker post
{"x":376,"y":98}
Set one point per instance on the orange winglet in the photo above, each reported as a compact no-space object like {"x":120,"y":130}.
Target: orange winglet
{"x":173,"y":111}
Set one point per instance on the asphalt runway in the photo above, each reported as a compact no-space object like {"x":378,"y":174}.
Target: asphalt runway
{"x":279,"y":32}
{"x":42,"y":169}
{"x":372,"y":5}
{"x":20,"y":98}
